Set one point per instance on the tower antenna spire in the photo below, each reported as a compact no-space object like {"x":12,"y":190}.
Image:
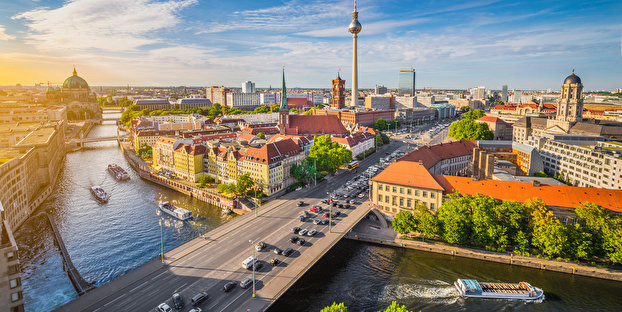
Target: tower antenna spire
{"x":354,"y":5}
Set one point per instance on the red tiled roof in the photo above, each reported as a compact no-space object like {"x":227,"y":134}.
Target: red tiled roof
{"x":298,"y":102}
{"x":408,"y":173}
{"x":552,"y":195}
{"x":246,"y":136}
{"x":491,"y":119}
{"x":315,"y":125}
{"x":273,"y":152}
{"x":431,"y":155}
{"x":192,"y":149}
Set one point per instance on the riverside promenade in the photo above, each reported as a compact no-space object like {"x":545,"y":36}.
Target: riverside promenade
{"x":369,"y":231}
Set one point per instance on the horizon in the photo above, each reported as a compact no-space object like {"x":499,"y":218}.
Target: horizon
{"x":451,"y":45}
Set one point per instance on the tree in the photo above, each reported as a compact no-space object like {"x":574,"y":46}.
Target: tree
{"x":328,"y":155}
{"x":468,"y":129}
{"x":204,"y":179}
{"x":404,"y":222}
{"x":335,"y":308}
{"x":261,"y":135}
{"x":295,"y":111}
{"x":395,"y":307}
{"x":305,"y":172}
{"x":455,"y":219}
{"x":549,"y":234}
{"x":380,"y":124}
{"x":474,"y":114}
{"x":427,"y":223}
{"x":486,"y":228}
{"x":613,"y":240}
{"x":245,"y":183}
{"x":309,"y":112}
{"x":227,"y":188}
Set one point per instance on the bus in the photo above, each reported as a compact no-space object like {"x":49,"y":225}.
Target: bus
{"x":352,"y":165}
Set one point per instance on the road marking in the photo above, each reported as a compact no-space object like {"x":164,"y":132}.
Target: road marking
{"x":109,"y":302}
{"x":238,"y":297}
{"x":180,"y":287}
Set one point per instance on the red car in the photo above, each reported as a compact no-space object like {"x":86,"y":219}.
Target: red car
{"x":313,"y":210}
{"x":326,"y":214}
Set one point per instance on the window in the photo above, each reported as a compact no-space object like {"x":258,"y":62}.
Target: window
{"x":379,"y":198}
{"x":408,"y":191}
{"x":14,"y":283}
{"x":386,"y":199}
{"x":386,"y":188}
{"x":16,"y":296}
{"x":408,"y":203}
{"x":379,"y":187}
{"x":401,"y":202}
{"x":425,"y":194}
{"x":394,"y":189}
{"x":10,"y":255}
{"x":401,"y":190}
{"x":432,"y":195}
{"x":431,"y":206}
{"x":416,"y":192}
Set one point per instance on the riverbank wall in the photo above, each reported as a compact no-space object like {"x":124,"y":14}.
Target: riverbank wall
{"x":207,"y":196}
{"x":507,"y":258}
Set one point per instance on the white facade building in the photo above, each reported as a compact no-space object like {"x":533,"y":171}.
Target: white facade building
{"x":243,"y":100}
{"x":248,"y":87}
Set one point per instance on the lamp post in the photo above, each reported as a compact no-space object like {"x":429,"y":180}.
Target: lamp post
{"x":254,"y":261}
{"x":161,"y":240}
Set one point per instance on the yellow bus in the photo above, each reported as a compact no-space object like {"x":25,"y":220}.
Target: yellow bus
{"x":352,"y":165}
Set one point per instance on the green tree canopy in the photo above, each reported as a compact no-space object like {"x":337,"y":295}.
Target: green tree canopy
{"x":261,"y":135}
{"x":335,"y":307}
{"x":328,"y":155}
{"x":245,"y":182}
{"x":474,"y":114}
{"x":204,"y":179}
{"x":404,"y":222}
{"x":395,"y":307}
{"x":468,"y":129}
{"x":455,"y":218}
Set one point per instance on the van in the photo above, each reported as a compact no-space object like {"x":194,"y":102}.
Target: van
{"x":248,"y":263}
{"x":246,"y":282}
{"x":198,"y":298}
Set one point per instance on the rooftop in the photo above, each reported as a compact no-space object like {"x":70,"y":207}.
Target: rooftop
{"x":408,"y":173}
{"x":431,"y":155}
{"x":38,"y":136}
{"x":8,"y":153}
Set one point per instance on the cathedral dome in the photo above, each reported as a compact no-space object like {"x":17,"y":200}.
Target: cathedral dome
{"x":572,"y":79}
{"x":75,"y":82}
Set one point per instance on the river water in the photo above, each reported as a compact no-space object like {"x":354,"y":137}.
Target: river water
{"x":108,"y":240}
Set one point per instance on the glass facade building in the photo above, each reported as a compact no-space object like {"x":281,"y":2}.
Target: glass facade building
{"x":406,"y":83}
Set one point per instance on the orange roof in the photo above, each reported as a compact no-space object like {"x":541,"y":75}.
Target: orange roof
{"x":491,"y":119}
{"x":273,"y":152}
{"x":315,"y":125}
{"x":552,"y":195}
{"x":431,"y":155}
{"x":408,"y":173}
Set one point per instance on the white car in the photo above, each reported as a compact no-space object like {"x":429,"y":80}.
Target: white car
{"x":196,"y":310}
{"x":163,"y":307}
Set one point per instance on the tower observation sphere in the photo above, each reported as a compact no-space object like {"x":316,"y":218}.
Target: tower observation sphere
{"x":355,"y":26}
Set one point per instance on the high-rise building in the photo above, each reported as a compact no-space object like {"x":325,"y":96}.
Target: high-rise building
{"x":517,"y":97}
{"x":504,"y":93}
{"x":339,"y":97}
{"x":406,"y":83}
{"x":381,"y":89}
{"x":478,"y":93}
{"x":248,"y":87}
{"x":354,"y":28}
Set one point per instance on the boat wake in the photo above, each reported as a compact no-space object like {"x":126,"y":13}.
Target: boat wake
{"x":430,"y":290}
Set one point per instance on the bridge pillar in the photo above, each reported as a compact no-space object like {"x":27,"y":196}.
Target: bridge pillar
{"x":383,"y":221}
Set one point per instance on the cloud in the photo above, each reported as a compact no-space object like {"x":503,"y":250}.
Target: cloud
{"x":3,"y":35}
{"x":112,"y":25}
{"x":374,"y":28}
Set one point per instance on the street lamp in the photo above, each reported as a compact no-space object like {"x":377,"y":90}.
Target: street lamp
{"x":161,"y":240}
{"x":254,"y":262}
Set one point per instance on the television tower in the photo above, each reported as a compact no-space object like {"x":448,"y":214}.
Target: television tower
{"x":354,"y":28}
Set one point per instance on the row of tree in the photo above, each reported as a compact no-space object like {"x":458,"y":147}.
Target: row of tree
{"x":382,"y":124}
{"x":529,"y":228}
{"x":469,"y":129}
{"x":340,"y":307}
{"x":244,"y":186}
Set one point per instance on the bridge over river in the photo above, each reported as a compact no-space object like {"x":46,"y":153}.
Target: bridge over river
{"x":208,"y":262}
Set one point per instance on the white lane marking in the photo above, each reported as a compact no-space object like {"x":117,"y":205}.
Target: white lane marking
{"x":109,"y":302}
{"x":238,"y":297}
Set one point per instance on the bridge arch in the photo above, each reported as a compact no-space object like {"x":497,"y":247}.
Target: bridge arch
{"x":381,"y":218}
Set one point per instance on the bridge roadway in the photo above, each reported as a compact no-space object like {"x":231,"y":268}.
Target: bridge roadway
{"x":207,"y":263}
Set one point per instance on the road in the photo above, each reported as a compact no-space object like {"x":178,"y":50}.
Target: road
{"x":208,"y":262}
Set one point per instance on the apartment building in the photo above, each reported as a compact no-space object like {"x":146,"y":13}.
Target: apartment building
{"x":11,"y":296}
{"x":269,"y":165}
{"x":189,"y":161}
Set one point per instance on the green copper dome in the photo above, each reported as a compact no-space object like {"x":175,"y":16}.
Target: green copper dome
{"x":75,"y":82}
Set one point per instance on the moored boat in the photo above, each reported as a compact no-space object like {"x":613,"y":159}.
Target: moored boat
{"x":100,"y":194}
{"x":227,"y":211}
{"x":519,"y":291}
{"x":179,"y":213}
{"x":118,"y":172}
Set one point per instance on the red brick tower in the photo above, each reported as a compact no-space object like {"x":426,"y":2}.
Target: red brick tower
{"x":339,"y":97}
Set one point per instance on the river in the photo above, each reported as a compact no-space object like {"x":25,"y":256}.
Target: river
{"x":108,"y":240}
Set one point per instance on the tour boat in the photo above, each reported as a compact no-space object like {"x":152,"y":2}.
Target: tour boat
{"x":520,"y":291}
{"x":227,"y":211}
{"x":100,"y":194}
{"x":179,"y":213}
{"x":118,"y":172}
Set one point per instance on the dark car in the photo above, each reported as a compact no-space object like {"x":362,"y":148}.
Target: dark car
{"x":337,"y":214}
{"x":295,"y":230}
{"x":198,"y":298}
{"x":301,"y":241}
{"x":293,"y":239}
{"x":340,"y":205}
{"x":335,"y":204}
{"x":300,"y":203}
{"x":301,"y":218}
{"x":287,"y":252}
{"x":275,"y":262}
{"x":229,"y":286}
{"x":325,"y":221}
{"x":347,"y":207}
{"x":178,"y":301}
{"x":278,"y":251}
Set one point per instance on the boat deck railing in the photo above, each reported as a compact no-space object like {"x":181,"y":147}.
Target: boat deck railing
{"x":504,"y":288}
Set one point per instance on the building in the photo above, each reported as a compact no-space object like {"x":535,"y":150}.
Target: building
{"x":446,"y":158}
{"x":357,"y":143}
{"x":379,"y":102}
{"x":268,"y":98}
{"x":404,"y":102}
{"x":339,"y":97}
{"x":426,"y":101}
{"x":75,"y":94}
{"x":517,"y":96}
{"x":406,"y":82}
{"x":444,"y":110}
{"x":352,"y":118}
{"x":478,"y":93}
{"x":243,"y":101}
{"x":504,"y":93}
{"x":354,"y":28}
{"x":582,"y":160}
{"x":12,"y":112}
{"x":153,"y":104}
{"x":501,"y":129}
{"x":380,"y":90}
{"x":270,"y":165}
{"x":248,"y":87}
{"x":217,"y":94}
{"x":403,"y":186}
{"x":193,"y":103}
{"x":417,"y":115}
{"x":568,"y":119}
{"x":188,"y":159}
{"x":164,"y":152}
{"x":527,"y":159}
{"x":11,"y":296}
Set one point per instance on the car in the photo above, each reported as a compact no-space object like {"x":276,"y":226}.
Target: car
{"x":347,"y":206}
{"x":341,"y":206}
{"x":198,"y":298}
{"x":325,"y":201}
{"x":260,"y":246}
{"x":314,"y":210}
{"x":337,"y":214}
{"x":361,"y":195}
{"x":300,"y":203}
{"x":178,"y":301}
{"x":334,"y":204}
{"x":318,"y":207}
{"x":301,"y":218}
{"x":326,"y":215}
{"x":325,"y":221}
{"x":295,"y":230}
{"x":305,"y":213}
{"x":301,"y":241}
{"x":303,"y":232}
{"x":229,"y":286}
{"x":287,"y":252}
{"x":278,"y":251}
{"x":163,"y":307}
{"x":312,"y":232}
{"x":246,"y":282}
{"x":197,"y":309}
{"x":317,"y":221}
{"x":293,"y":239}
{"x":275,"y":262}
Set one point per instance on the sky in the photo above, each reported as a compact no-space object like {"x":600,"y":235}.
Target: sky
{"x":452,"y":44}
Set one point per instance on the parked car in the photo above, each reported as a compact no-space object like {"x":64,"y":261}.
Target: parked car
{"x":198,"y":298}
{"x":278,"y":251}
{"x":317,"y":221}
{"x":295,"y":230}
{"x":246,"y":282}
{"x":229,"y":286}
{"x":163,"y":307}
{"x":326,"y":215}
{"x":287,"y":252}
{"x":314,"y":210}
{"x":275,"y":262}
{"x":300,"y":203}
{"x":258,"y":265}
{"x":303,"y":232}
{"x":178,"y":301}
{"x":293,"y":239}
{"x":325,"y":221}
{"x":260,"y":246}
{"x":337,"y":214}
{"x":312,"y":232}
{"x":301,"y":218}
{"x":301,"y":241}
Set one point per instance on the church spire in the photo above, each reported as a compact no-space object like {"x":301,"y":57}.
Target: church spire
{"x":283,"y":106}
{"x":75,"y":73}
